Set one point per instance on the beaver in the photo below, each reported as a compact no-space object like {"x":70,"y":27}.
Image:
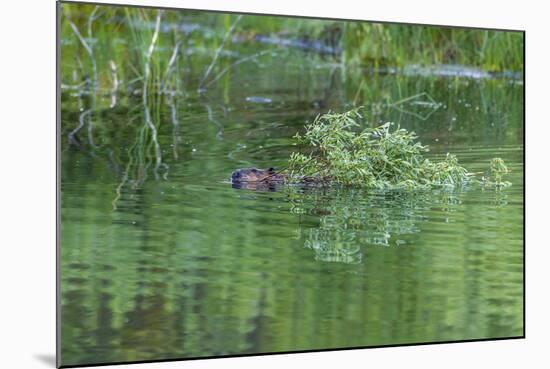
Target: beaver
{"x":267,"y":179}
{"x":257,"y":179}
{"x":257,"y":175}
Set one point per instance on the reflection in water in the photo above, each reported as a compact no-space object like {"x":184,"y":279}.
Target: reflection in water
{"x":258,"y":186}
{"x":170,"y":274}
{"x":350,"y":218}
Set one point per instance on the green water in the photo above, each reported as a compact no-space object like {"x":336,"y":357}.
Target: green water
{"x":185,"y":265}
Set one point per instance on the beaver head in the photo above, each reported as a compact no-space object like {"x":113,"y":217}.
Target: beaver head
{"x":256,"y":175}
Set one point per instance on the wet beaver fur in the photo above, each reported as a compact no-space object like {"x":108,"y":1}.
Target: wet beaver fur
{"x":257,"y":179}
{"x":250,"y":175}
{"x":264,"y":179}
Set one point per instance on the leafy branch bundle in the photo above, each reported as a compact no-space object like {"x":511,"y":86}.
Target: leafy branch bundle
{"x":337,"y":150}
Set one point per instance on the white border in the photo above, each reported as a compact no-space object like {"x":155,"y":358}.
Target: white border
{"x":27,"y":184}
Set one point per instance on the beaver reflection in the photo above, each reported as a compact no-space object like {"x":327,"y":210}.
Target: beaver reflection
{"x":257,"y":179}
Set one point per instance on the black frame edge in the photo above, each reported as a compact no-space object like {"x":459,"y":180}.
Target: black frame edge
{"x":58,"y":184}
{"x":295,"y":352}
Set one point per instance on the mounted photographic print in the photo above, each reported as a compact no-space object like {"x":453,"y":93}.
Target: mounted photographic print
{"x":245,"y":184}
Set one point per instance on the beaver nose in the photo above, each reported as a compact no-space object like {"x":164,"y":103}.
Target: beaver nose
{"x":235,"y":176}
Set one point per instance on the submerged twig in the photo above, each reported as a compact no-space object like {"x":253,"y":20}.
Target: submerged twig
{"x":90,"y":51}
{"x":87,"y":47}
{"x":358,"y":92}
{"x":218,"y":51}
{"x":120,"y":185}
{"x":237,"y":63}
{"x":175,"y":124}
{"x":433,"y":103}
{"x":148,"y":120}
{"x":114,"y":87}
{"x":171,"y":63}
{"x":72,"y":134}
{"x":90,"y":131}
{"x":92,"y":18}
{"x":213,"y":120}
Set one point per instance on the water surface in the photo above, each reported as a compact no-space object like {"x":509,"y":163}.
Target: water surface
{"x":184,"y":265}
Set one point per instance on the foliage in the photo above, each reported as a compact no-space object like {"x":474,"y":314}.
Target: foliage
{"x":380,"y":157}
{"x":496,"y":172}
{"x":396,"y":45}
{"x":101,"y":37}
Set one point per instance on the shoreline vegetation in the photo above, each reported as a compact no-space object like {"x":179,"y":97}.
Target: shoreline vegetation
{"x":87,"y":34}
{"x":112,"y":55}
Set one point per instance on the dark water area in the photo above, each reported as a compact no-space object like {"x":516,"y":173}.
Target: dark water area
{"x":184,"y":265}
